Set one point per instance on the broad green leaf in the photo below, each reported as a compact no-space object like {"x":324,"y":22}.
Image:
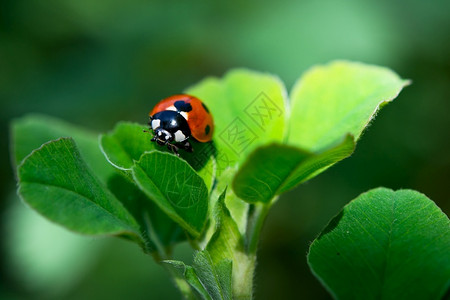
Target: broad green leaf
{"x":216,"y":278}
{"x":128,"y":141}
{"x":56,"y":182}
{"x":276,"y":168}
{"x":248,"y":109}
{"x":175,"y":187}
{"x":227,"y":243}
{"x":385,"y":245}
{"x":30,"y":132}
{"x":161,"y":231}
{"x":331,"y":106}
{"x":340,"y":98}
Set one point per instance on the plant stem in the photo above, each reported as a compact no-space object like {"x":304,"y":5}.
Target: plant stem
{"x":162,"y":254}
{"x":244,"y":263}
{"x":255,"y":224}
{"x":243,"y":275}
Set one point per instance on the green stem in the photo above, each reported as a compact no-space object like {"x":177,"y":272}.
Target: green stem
{"x":243,"y":275}
{"x":244,"y":263}
{"x":255,"y":224}
{"x":161,"y":251}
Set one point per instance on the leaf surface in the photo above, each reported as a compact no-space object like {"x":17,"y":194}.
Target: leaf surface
{"x":331,"y":105}
{"x":340,"y":98}
{"x":248,"y":109}
{"x":175,"y":187}
{"x":276,"y":168}
{"x":56,"y":182}
{"x":385,"y":245}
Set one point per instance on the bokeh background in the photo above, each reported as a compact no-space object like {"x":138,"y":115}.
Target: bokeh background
{"x":94,"y":63}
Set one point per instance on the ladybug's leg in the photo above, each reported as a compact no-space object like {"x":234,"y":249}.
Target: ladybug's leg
{"x":187,"y":146}
{"x":173,"y":148}
{"x":149,"y":124}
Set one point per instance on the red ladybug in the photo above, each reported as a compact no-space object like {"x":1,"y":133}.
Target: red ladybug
{"x":179,"y":117}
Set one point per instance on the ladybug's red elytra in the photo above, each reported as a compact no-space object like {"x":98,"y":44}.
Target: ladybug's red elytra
{"x":179,"y":117}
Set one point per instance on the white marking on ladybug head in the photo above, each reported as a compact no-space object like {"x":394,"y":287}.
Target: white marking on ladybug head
{"x":179,"y":136}
{"x":163,"y":136}
{"x":173,"y":108}
{"x":156,"y":123}
{"x":184,"y":114}
{"x":173,"y":122}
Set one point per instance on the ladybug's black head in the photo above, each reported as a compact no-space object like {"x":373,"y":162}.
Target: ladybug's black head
{"x":162,"y":136}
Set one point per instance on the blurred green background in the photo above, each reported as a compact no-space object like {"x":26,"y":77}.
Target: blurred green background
{"x":94,"y":63}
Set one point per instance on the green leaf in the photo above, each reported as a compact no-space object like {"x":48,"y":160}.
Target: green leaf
{"x":125,"y":144}
{"x":385,"y":245}
{"x":216,"y":278}
{"x":248,"y":109}
{"x":128,"y":141}
{"x":56,"y":182}
{"x":208,"y":280}
{"x":175,"y":187}
{"x":238,"y":209}
{"x":276,"y":168}
{"x":331,"y":106}
{"x":182,"y":271}
{"x":227,"y":239}
{"x":337,"y":99}
{"x":30,"y":132}
{"x":161,"y":231}
{"x":227,"y":244}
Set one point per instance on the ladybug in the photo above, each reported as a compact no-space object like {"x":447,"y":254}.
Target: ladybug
{"x":179,"y":117}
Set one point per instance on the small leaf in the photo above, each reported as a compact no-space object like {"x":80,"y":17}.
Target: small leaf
{"x":274,"y":169}
{"x":248,"y":109}
{"x":30,"y":132}
{"x":56,"y":182}
{"x":227,"y":239}
{"x":385,"y":245}
{"x":187,"y":272}
{"x":238,"y":208}
{"x":337,"y":99}
{"x":128,"y":141}
{"x":216,"y":278}
{"x":126,"y":144}
{"x":175,"y":187}
{"x":227,"y":244}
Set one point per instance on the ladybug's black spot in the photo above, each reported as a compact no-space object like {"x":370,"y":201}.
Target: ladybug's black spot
{"x":207,"y":129}
{"x":204,"y":106}
{"x":182,"y":106}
